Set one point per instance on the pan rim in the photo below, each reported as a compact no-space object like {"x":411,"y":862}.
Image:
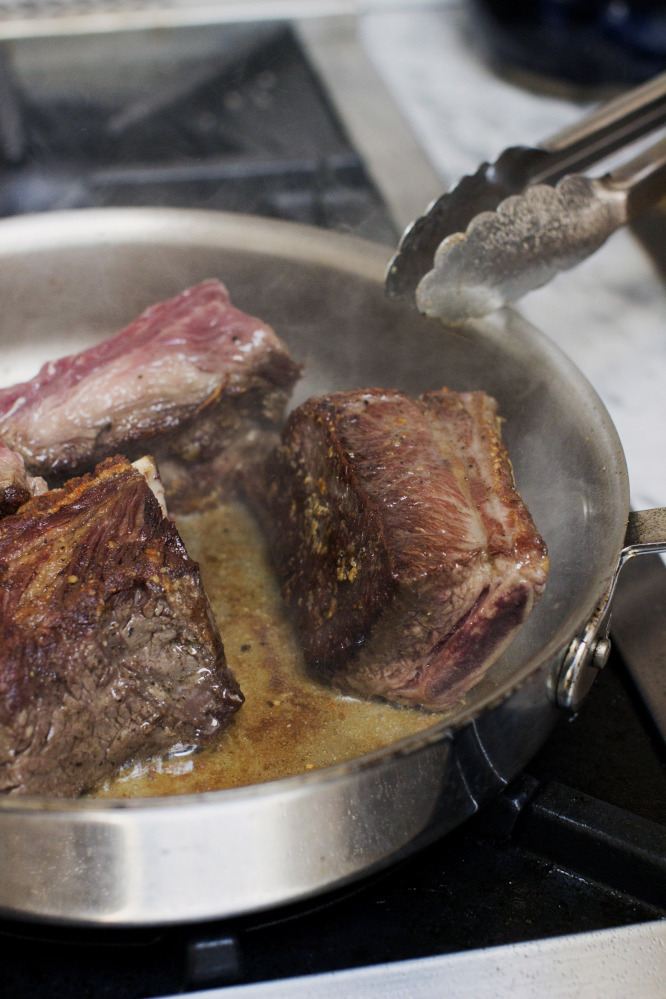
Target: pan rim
{"x":45,"y":232}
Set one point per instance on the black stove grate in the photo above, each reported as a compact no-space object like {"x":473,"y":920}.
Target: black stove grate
{"x":256,"y":135}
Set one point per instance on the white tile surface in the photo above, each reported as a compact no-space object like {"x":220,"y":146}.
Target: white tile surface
{"x":608,"y":315}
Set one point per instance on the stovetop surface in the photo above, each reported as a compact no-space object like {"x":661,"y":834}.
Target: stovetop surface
{"x":254,"y":134}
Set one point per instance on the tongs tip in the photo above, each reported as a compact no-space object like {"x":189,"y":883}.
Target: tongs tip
{"x":511,"y":226}
{"x":519,"y":247}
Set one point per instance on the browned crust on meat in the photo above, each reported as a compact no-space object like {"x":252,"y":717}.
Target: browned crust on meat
{"x":330,"y":543}
{"x":407,"y":556}
{"x":108,"y":647}
{"x":83,"y":508}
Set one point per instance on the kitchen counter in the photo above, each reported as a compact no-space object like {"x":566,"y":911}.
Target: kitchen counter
{"x":609,"y":314}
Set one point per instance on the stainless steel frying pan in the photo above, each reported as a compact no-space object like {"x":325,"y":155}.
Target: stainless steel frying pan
{"x":67,"y":279}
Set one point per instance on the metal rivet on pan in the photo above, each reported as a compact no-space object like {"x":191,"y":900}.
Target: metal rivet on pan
{"x":579,"y":670}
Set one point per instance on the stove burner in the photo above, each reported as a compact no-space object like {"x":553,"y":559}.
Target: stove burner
{"x":255,"y":135}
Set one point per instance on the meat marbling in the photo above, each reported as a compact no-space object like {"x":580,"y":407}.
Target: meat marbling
{"x":407,"y":556}
{"x":194,"y":381}
{"x":108,"y":647}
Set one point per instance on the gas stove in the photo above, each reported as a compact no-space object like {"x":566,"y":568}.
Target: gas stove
{"x":241,"y":126}
{"x":565,"y":872}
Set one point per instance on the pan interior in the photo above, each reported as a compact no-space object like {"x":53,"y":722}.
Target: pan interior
{"x":69,"y":279}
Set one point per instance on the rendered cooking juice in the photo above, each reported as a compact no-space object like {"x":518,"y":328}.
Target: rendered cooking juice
{"x":289,"y":723}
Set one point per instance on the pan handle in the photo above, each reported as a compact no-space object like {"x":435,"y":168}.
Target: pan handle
{"x":646,"y":533}
{"x":588,"y":653}
{"x":638,"y":622}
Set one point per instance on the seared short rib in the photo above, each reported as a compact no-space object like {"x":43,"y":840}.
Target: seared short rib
{"x":193,"y":381}
{"x":407,"y":556}
{"x":108,"y":647}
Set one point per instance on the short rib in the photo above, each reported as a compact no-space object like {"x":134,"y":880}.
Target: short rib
{"x":108,"y":647}
{"x":194,"y":381}
{"x":407,"y":556}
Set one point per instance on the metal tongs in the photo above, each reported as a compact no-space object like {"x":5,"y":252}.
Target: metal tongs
{"x":515,"y":223}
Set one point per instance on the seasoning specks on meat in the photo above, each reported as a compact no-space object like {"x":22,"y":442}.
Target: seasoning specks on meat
{"x":407,"y":557}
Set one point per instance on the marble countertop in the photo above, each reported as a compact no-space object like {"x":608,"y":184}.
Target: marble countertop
{"x":609,"y":314}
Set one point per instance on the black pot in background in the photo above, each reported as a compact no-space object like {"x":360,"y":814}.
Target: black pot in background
{"x":587,"y":42}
